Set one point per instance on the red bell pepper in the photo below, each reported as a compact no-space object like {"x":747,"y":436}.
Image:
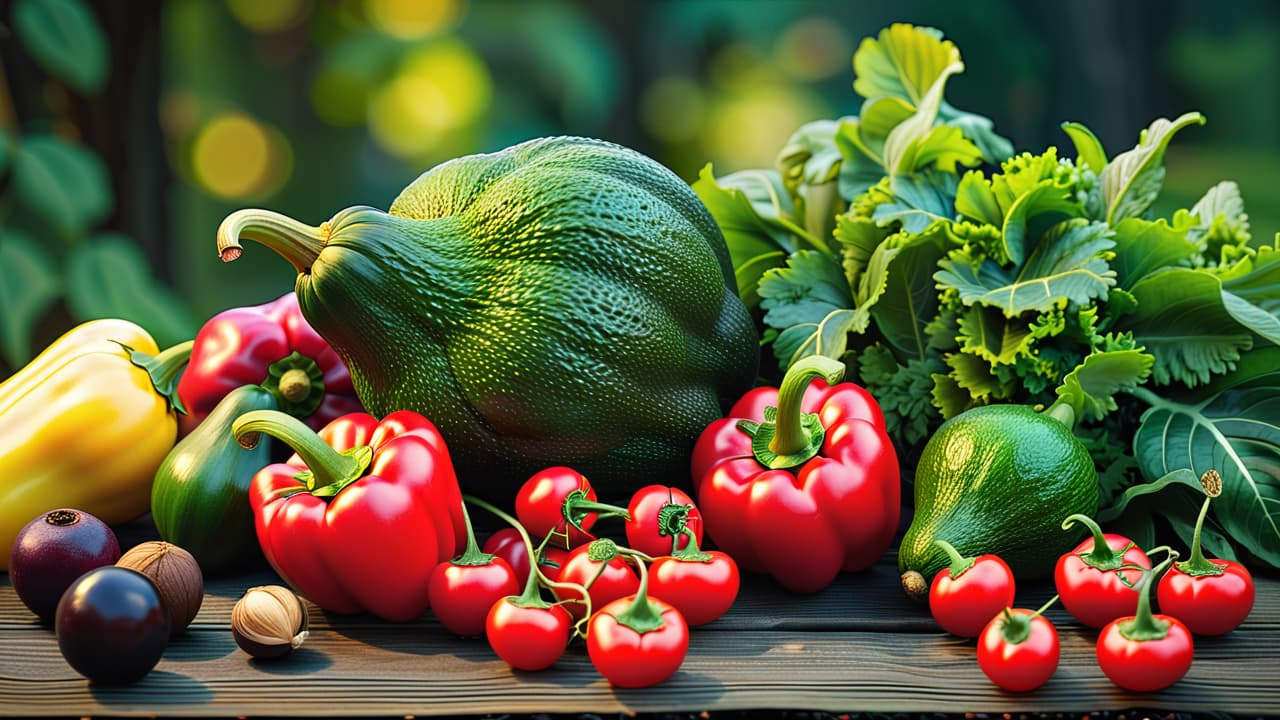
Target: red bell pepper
{"x":270,"y":345}
{"x":800,"y":482}
{"x":357,"y":519}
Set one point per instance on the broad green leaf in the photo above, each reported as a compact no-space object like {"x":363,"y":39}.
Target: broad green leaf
{"x":949,"y":397}
{"x":65,"y":185}
{"x":986,"y":333}
{"x":1253,"y":298}
{"x":1143,"y":246}
{"x":809,"y":288}
{"x":878,"y":118}
{"x":1182,"y":321}
{"x":1046,"y":198}
{"x":975,"y":199}
{"x":108,"y":276}
{"x":901,"y":146}
{"x":1132,"y":180}
{"x":994,"y":148}
{"x":919,"y":201}
{"x":859,"y":169}
{"x":903,"y":61}
{"x":1090,"y":389}
{"x":1222,"y":230}
{"x":974,"y":375}
{"x":858,"y":237}
{"x":29,"y":283}
{"x":64,"y":38}
{"x":908,"y":299}
{"x":810,"y":156}
{"x":829,"y":337}
{"x":748,"y":274}
{"x":944,"y":147}
{"x":1067,"y":263}
{"x":1237,"y":433}
{"x":1089,"y":151}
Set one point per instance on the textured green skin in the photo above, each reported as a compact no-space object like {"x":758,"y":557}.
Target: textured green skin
{"x":999,"y":479}
{"x":563,"y":301}
{"x":200,"y":497}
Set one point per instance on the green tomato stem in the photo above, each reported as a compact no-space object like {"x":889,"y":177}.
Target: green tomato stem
{"x":1143,"y":626}
{"x":472,"y":555}
{"x":531,"y":597}
{"x":690,"y":552}
{"x":1101,"y":556}
{"x":641,"y":615}
{"x":1198,"y":565}
{"x":328,"y":471}
{"x":576,"y":506}
{"x":959,"y":563}
{"x":296,"y":242}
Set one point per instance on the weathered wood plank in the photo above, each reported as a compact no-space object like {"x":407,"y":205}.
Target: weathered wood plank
{"x":869,"y":601}
{"x":385,"y":670}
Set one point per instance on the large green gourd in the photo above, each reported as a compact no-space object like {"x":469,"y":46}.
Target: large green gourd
{"x":562,"y":301}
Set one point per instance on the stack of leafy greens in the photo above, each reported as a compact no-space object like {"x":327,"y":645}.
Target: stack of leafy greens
{"x":1036,"y":280}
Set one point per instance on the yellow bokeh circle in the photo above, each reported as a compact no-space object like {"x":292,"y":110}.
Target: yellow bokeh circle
{"x":439,"y":89}
{"x":413,"y":19}
{"x":235,"y":157}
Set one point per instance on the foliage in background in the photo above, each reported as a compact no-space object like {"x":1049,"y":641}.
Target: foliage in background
{"x":57,"y":195}
{"x":1043,"y":280}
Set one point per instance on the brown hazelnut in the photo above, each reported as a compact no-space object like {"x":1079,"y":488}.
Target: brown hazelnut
{"x":269,"y":622}
{"x":176,"y":575}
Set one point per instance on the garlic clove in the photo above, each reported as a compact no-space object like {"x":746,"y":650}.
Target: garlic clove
{"x":269,"y":622}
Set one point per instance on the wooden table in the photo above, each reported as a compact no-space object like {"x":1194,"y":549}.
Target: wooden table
{"x":858,"y":646}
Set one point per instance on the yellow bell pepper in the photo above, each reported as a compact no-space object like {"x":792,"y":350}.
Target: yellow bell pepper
{"x":85,"y":425}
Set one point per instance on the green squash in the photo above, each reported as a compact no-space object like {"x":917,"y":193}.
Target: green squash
{"x":200,"y":496}
{"x":564,"y":301}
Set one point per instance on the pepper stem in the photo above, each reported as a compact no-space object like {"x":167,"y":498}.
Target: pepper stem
{"x":1017,"y":628}
{"x":577,"y":507}
{"x":328,"y":471}
{"x":472,"y":555}
{"x":164,"y":370}
{"x":298,"y":384}
{"x":789,"y":437}
{"x":1101,"y":556}
{"x":690,"y":552}
{"x":959,"y":563}
{"x":296,"y":242}
{"x":1143,"y":626}
{"x":641,"y":615}
{"x":1198,"y":565}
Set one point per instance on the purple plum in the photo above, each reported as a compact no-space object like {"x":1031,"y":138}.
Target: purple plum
{"x":111,"y":625}
{"x":53,"y":550}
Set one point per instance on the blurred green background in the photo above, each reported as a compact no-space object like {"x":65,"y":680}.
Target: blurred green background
{"x":130,"y":129}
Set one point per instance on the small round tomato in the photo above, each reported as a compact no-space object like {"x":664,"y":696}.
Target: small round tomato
{"x":461,"y":594}
{"x":1208,"y":604}
{"x":1018,"y":650}
{"x":551,"y":562}
{"x":508,"y":545}
{"x":528,"y":637}
{"x":560,"y":503}
{"x":1145,"y":665}
{"x":661,"y":518}
{"x":599,"y":569}
{"x":701,"y":589}
{"x":633,"y":658}
{"x":1089,"y":580}
{"x":964,"y":597}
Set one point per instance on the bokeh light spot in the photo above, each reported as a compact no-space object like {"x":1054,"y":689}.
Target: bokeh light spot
{"x":745,"y":131}
{"x":672,"y":109}
{"x":234,"y":156}
{"x":413,"y":19}
{"x":271,"y":16}
{"x":814,"y":48}
{"x":439,"y":89}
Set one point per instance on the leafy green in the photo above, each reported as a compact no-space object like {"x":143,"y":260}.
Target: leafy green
{"x":29,"y":282}
{"x":918,"y":201}
{"x":1089,"y":152}
{"x":1249,"y":294}
{"x":903,"y":61}
{"x":64,"y":38}
{"x":805,"y":291}
{"x":1132,"y":180}
{"x":1090,"y":389}
{"x":108,"y":276}
{"x":904,"y":392}
{"x":1144,"y":246}
{"x":65,"y":185}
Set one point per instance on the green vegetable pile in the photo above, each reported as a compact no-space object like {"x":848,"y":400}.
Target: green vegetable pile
{"x":949,"y":273}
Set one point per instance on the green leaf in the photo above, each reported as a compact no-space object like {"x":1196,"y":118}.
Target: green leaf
{"x":1253,"y":298}
{"x":1177,"y":497}
{"x":1067,"y":263}
{"x":858,"y":237}
{"x":944,"y":147}
{"x":805,"y":291}
{"x":1089,"y":152}
{"x":986,"y":333}
{"x":1143,"y":247}
{"x":1132,"y":180}
{"x":974,"y":375}
{"x":65,"y":185}
{"x":859,"y":169}
{"x":1181,"y":319}
{"x":975,"y":199}
{"x":1091,"y":387}
{"x":903,"y":61}
{"x":1237,"y":433}
{"x":829,"y":337}
{"x":64,"y":38}
{"x":980,"y":130}
{"x":748,"y":274}
{"x":919,"y":200}
{"x":949,"y":397}
{"x":810,"y":156}
{"x":902,"y":146}
{"x":904,"y":392}
{"x":908,"y":300}
{"x":1222,"y":230}
{"x":878,"y":117}
{"x":108,"y":276}
{"x":29,"y":283}
{"x":1045,"y":198}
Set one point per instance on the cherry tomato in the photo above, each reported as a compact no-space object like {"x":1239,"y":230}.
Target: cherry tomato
{"x":629,"y":658}
{"x":527,"y":637}
{"x":606,"y":580}
{"x":1018,"y":650}
{"x":1092,"y":587}
{"x":702,"y":590}
{"x":1207,"y":604}
{"x":660,"y":516}
{"x":551,"y":562}
{"x":506,"y":544}
{"x":1145,"y":665}
{"x":966,"y":596}
{"x":547,"y":502}
{"x":461,"y":594}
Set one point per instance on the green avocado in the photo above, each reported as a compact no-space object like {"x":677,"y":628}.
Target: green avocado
{"x":998,"y":479}
{"x":564,"y":301}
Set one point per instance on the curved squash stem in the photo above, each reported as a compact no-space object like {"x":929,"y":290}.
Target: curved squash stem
{"x":296,"y":242}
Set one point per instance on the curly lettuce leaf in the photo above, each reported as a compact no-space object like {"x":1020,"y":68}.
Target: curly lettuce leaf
{"x":1143,"y":247}
{"x":985,"y":332}
{"x":1132,"y":180}
{"x":918,"y":200}
{"x":903,"y":391}
{"x":1090,"y":388}
{"x":806,"y":290}
{"x":1089,"y":150}
{"x":1219,"y":225}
